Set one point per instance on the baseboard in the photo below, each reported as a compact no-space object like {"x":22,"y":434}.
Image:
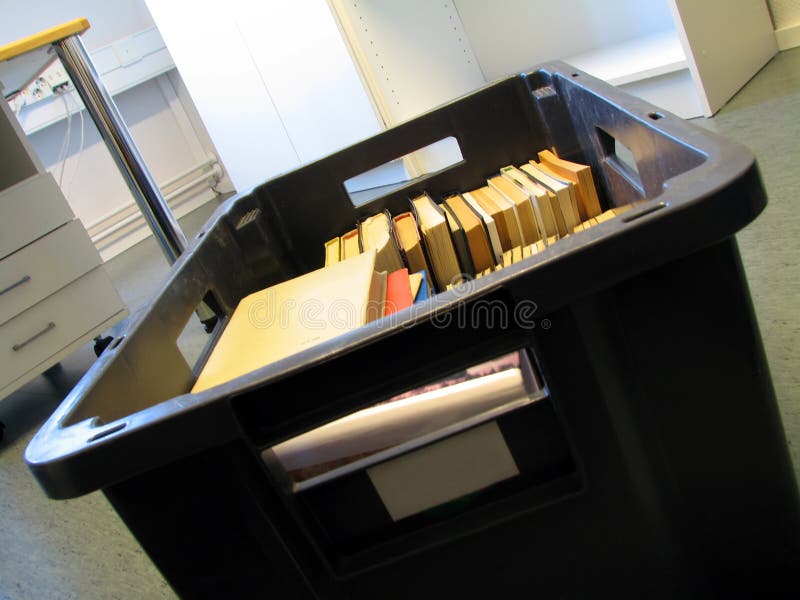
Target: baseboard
{"x":788,"y":37}
{"x":137,"y":230}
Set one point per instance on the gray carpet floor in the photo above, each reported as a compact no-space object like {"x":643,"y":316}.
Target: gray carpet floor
{"x":80,"y":548}
{"x":764,"y":117}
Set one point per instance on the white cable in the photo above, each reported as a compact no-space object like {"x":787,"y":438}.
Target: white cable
{"x":80,"y":148}
{"x":66,"y":143}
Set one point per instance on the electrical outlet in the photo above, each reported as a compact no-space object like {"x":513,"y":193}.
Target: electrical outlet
{"x":53,"y":80}
{"x":56,"y":76}
{"x":38,"y":90}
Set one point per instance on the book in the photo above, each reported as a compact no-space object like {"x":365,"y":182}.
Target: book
{"x":489,"y":224}
{"x":460,"y":242}
{"x":540,"y":199}
{"x":508,"y":258}
{"x":376,"y":232}
{"x":424,"y":291}
{"x":407,"y":234}
{"x":576,"y":188}
{"x":523,"y":208}
{"x":415,"y":282}
{"x":475,"y":231}
{"x":503,"y":214}
{"x":332,"y":247}
{"x":605,"y":216}
{"x":398,"y":292}
{"x":270,"y":324}
{"x":618,"y":210}
{"x":350,"y":245}
{"x":564,"y":191}
{"x":436,"y":236}
{"x":588,"y":223}
{"x":577,"y":173}
{"x":552,"y":198}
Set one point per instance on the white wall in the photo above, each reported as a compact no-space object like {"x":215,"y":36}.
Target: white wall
{"x":92,"y":182}
{"x":273,"y":81}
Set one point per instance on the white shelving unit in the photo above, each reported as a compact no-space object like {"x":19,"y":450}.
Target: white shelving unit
{"x":644,"y":57}
{"x":413,"y":56}
{"x":686,"y":57}
{"x":653,"y":67}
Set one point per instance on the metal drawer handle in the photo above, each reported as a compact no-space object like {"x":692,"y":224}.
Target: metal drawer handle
{"x":25,"y":279}
{"x":18,"y":347}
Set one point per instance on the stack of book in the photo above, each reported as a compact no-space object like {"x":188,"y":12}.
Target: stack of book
{"x":387,"y":263}
{"x":519,"y":212}
{"x":449,"y":443}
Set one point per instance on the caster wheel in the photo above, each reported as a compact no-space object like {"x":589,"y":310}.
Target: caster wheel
{"x":53,"y":371}
{"x":209,"y":324}
{"x":101,"y":343}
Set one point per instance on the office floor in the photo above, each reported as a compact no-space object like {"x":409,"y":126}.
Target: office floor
{"x":80,"y":549}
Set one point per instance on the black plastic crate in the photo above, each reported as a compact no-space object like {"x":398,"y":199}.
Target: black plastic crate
{"x":673,"y":476}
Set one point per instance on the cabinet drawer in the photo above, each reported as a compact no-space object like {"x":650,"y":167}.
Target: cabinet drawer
{"x":44,"y":267}
{"x":29,"y":210}
{"x":41,"y":331}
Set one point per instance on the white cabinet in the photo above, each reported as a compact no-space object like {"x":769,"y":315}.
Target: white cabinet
{"x":726,"y":43}
{"x":55,"y":294}
{"x":28,"y":211}
{"x":685,"y":56}
{"x":277,"y":87}
{"x":272,"y":81}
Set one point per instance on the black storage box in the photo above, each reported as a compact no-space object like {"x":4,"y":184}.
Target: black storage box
{"x":662,"y":465}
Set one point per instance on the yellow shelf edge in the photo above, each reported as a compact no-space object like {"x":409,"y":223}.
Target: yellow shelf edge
{"x":43,"y":38}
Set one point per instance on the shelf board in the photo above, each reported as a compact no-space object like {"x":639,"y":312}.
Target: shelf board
{"x":637,"y":59}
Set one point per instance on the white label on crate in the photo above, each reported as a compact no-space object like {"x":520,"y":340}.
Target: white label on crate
{"x":444,"y":471}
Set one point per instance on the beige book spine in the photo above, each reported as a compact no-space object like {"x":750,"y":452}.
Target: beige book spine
{"x":572,"y":182}
{"x":579,"y":174}
{"x":561,"y":197}
{"x":491,"y":227}
{"x":529,"y":228}
{"x":513,"y":218}
{"x":542,"y":207}
{"x":332,"y":251}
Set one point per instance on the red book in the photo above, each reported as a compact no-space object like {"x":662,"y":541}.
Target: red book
{"x":398,"y":291}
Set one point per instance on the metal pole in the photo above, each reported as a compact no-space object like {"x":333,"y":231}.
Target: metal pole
{"x":104,"y":113}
